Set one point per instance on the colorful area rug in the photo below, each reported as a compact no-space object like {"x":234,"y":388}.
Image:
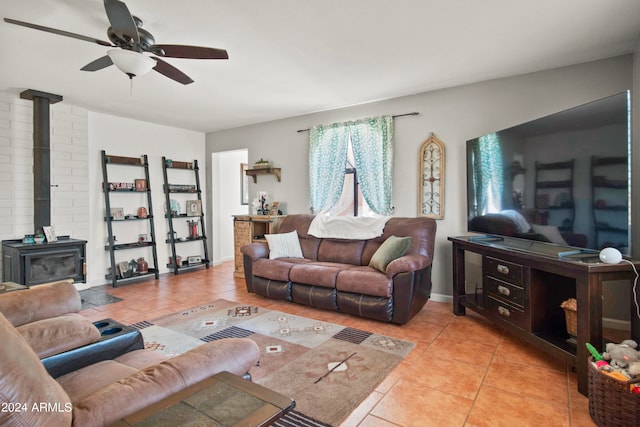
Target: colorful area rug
{"x":328,"y":369}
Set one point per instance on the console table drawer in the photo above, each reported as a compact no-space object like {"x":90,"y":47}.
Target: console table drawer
{"x":506,"y":291}
{"x":506,"y":312}
{"x":504,"y":270}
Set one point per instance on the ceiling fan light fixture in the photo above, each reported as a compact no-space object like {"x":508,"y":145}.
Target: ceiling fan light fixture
{"x":131,"y":63}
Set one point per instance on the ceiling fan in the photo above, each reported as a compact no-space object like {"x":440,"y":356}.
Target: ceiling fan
{"x":130,"y":42}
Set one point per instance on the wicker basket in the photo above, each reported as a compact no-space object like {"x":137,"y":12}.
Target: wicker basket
{"x":571,"y":317}
{"x":611,"y":403}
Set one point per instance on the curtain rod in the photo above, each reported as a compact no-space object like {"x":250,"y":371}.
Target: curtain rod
{"x":415,"y":113}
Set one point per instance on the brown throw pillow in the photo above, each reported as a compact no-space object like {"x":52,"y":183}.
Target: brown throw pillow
{"x":392,"y":248}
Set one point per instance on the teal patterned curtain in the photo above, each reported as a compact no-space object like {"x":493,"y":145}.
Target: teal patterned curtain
{"x":328,"y":146}
{"x":487,"y":174}
{"x":372,"y":141}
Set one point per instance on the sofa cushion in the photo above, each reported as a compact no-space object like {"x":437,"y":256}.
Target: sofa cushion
{"x":88,"y":380}
{"x":310,"y":247}
{"x":274,"y":289}
{"x":24,"y":381}
{"x":141,"y":359}
{"x":422,"y":230}
{"x":392,"y":248}
{"x":365,"y":280}
{"x":276,"y":269}
{"x":317,"y":273}
{"x":341,"y":251}
{"x":301,"y":223}
{"x":284,"y":245}
{"x":378,"y":308}
{"x":85,"y":381}
{"x":58,"y":334}
{"x":314,"y":296}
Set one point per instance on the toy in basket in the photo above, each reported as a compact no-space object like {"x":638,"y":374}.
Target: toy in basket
{"x":570,"y":307}
{"x":614,"y":391}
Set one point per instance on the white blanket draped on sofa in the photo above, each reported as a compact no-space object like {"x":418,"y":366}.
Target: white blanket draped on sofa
{"x":347,"y":227}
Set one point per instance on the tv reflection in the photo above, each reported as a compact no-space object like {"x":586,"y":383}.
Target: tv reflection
{"x":563,"y":178}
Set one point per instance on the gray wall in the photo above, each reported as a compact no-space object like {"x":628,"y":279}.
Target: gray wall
{"x":454,"y":115}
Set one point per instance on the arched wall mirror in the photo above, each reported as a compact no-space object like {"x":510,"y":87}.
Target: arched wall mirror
{"x":431,"y":178}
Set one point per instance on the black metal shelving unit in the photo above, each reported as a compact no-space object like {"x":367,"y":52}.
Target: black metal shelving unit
{"x":609,"y":197}
{"x":554,"y":193}
{"x":110,"y":189}
{"x":194,"y":216}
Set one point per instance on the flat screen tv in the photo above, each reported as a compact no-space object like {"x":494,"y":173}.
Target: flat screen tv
{"x":563,"y":178}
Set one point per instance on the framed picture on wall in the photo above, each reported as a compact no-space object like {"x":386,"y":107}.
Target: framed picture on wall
{"x":431,"y":178}
{"x":244,"y":184}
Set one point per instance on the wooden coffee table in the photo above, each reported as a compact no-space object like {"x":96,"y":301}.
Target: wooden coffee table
{"x":222,"y":400}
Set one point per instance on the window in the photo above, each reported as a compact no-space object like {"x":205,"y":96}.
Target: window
{"x":351,"y":200}
{"x":487,"y":175}
{"x":351,"y":158}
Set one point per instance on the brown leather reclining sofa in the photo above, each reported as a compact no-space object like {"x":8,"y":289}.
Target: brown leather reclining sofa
{"x":334,"y":274}
{"x":43,"y":321}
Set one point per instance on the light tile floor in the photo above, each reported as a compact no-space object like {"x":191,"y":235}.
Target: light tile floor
{"x":464,"y":371}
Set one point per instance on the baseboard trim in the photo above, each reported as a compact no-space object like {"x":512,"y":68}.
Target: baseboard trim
{"x":620,"y":325}
{"x":441,"y":298}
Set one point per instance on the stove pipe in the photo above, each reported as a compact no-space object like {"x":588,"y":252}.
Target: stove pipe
{"x":41,"y":155}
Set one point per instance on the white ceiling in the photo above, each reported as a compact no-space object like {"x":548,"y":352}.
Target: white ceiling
{"x":291,"y":57}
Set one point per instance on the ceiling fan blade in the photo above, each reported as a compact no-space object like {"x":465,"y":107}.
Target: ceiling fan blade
{"x":190,"y":52}
{"x":122,"y":23}
{"x":59,"y":32}
{"x":98,"y":64}
{"x":172,"y":72}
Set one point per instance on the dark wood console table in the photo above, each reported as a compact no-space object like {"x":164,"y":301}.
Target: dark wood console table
{"x":522,"y":284}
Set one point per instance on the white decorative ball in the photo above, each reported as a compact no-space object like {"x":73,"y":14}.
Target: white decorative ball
{"x":610,"y":256}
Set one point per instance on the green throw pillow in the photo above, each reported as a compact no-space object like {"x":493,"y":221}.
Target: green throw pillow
{"x":392,"y":248}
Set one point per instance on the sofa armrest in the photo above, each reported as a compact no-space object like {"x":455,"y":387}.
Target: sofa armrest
{"x":40,"y":302}
{"x":256,"y":250}
{"x":146,"y":387}
{"x":235,"y":355}
{"x":407,"y":263}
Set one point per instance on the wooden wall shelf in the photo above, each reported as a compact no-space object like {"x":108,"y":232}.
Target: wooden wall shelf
{"x":263,"y":171}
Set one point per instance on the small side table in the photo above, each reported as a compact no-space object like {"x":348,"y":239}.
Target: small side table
{"x":223,"y":399}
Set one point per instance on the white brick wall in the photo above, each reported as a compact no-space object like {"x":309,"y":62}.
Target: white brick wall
{"x":69,"y":169}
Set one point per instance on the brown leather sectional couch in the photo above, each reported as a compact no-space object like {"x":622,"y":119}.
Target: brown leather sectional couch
{"x":334,"y":274}
{"x":99,"y":393}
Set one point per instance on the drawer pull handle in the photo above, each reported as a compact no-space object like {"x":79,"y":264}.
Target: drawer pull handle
{"x":504,"y":290}
{"x":503,"y":311}
{"x":502,"y":269}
